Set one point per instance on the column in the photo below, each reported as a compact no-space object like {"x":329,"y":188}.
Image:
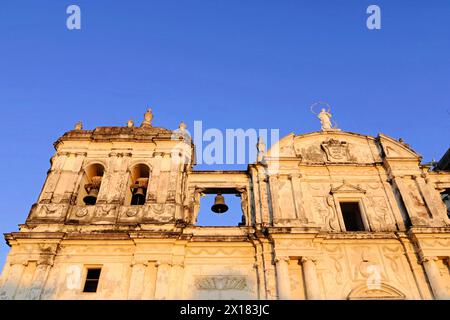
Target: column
{"x":256,"y":282}
{"x":176,"y":281}
{"x":137,"y":281}
{"x":39,"y":279}
{"x":435,"y":279}
{"x":256,"y":196}
{"x":9,"y":287}
{"x":431,"y":198}
{"x":162,"y":280}
{"x":153,"y":184}
{"x":410,"y":208}
{"x":283,"y":281}
{"x":393,"y":205}
{"x":274,"y":192}
{"x":310,"y":277}
{"x":298,"y":198}
{"x":267,"y":214}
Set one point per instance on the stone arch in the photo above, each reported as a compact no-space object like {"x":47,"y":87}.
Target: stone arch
{"x":135,"y":163}
{"x":382,"y":292}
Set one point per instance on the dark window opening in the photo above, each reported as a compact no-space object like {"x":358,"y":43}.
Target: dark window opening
{"x":445,"y":196}
{"x":92,"y":279}
{"x":351,"y":214}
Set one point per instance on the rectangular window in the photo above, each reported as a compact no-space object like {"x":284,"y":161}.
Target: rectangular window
{"x":351,"y":214}
{"x":92,"y":278}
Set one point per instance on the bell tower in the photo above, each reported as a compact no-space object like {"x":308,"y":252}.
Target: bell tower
{"x":112,"y":175}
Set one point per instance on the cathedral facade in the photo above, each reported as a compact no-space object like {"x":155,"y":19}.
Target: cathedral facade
{"x":326,"y":215}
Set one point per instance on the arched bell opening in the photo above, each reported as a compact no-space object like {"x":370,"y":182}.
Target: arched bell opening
{"x":90,"y":184}
{"x":138,"y":185}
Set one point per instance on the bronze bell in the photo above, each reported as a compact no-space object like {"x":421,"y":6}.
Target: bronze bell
{"x":138,"y":197}
{"x":91,"y":198}
{"x":219,"y":205}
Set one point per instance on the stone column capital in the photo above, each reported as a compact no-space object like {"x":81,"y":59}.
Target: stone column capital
{"x":294,"y":176}
{"x":161,"y":263}
{"x":308,"y":258}
{"x":429,"y":258}
{"x":178,"y":264}
{"x":138,"y":263}
{"x":281,"y":259}
{"x":18,"y":262}
{"x":46,"y":260}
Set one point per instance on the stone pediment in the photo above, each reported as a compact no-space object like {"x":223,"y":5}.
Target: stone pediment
{"x":346,"y":187}
{"x":327,"y":147}
{"x":396,"y":149}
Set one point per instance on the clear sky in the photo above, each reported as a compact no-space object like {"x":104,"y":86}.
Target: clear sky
{"x":231,"y":64}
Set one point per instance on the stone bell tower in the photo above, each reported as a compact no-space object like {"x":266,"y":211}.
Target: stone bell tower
{"x":102,"y":176}
{"x":100,"y":180}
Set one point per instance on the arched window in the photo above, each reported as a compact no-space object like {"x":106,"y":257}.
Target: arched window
{"x":139,"y":178}
{"x":90,"y":184}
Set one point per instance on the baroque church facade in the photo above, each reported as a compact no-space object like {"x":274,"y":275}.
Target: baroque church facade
{"x":326,"y":215}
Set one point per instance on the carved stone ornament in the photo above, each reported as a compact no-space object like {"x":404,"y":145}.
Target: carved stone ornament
{"x":346,"y":187}
{"x":221,"y":283}
{"x":81,"y":212}
{"x":384,"y":291}
{"x":132,"y":212}
{"x":336,"y":150}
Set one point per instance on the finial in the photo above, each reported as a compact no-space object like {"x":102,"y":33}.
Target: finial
{"x":148,"y":116}
{"x":79,"y":125}
{"x":182,"y":126}
{"x":130,"y":123}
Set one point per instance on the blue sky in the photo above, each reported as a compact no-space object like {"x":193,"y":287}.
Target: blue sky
{"x":231,"y":64}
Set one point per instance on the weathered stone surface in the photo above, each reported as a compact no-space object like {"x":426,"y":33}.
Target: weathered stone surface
{"x":293,"y":241}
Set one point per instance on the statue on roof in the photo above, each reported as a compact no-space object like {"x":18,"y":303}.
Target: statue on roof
{"x":325,"y":117}
{"x":182,"y":126}
{"x":79,"y":125}
{"x":261,"y":147}
{"x":148,"y":117}
{"x":325,"y":120}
